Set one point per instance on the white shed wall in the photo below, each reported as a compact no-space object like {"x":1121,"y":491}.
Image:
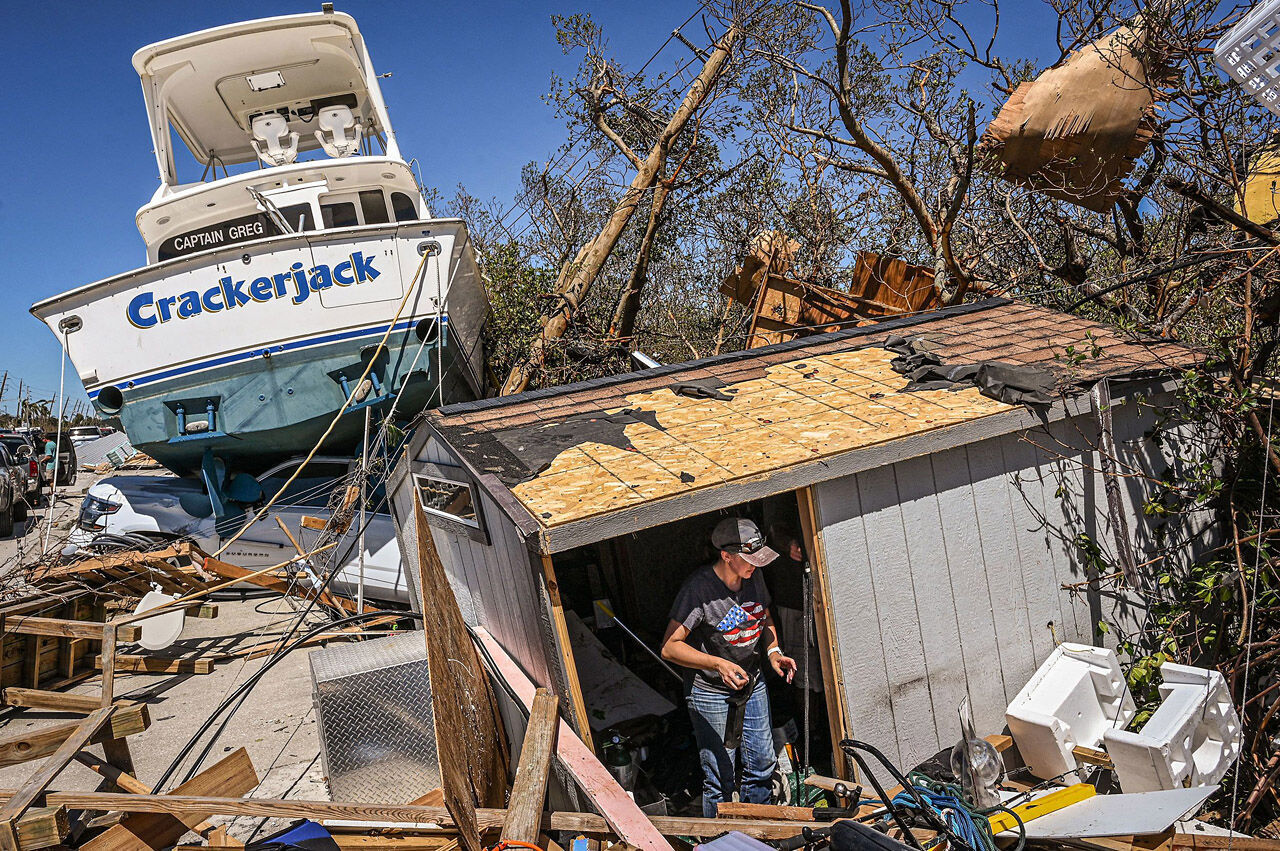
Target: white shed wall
{"x":494,"y":583}
{"x":946,"y":572}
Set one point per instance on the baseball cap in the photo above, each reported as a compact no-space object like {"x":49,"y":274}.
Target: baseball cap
{"x":742,"y":536}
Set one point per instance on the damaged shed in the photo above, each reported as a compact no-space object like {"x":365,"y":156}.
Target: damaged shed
{"x":940,"y":522}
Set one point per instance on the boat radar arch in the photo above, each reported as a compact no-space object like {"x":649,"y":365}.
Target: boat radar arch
{"x":266,"y":90}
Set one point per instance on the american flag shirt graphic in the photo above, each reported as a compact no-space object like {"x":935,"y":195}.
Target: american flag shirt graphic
{"x":741,"y":626}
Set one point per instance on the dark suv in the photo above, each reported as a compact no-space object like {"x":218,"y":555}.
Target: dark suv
{"x":23,"y":451}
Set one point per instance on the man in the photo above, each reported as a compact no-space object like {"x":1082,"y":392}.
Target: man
{"x":48,"y":455}
{"x":720,"y":629}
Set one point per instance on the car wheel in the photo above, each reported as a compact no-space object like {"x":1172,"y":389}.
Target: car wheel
{"x":6,"y":522}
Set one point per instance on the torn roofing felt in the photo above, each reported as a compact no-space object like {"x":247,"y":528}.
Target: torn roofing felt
{"x":1016,"y":384}
{"x":594,"y":446}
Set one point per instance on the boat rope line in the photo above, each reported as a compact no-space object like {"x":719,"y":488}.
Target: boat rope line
{"x":257,"y":352}
{"x":418,"y":276}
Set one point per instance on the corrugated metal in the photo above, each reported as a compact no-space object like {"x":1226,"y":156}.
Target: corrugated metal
{"x":946,"y":574}
{"x":91,"y":453}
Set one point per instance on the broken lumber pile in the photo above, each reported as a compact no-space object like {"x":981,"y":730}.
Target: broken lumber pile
{"x":784,"y":307}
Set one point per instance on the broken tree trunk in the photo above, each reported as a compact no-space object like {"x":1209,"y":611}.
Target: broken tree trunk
{"x":578,"y":276}
{"x":624,"y":316}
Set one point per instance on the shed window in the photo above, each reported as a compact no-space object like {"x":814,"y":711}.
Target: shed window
{"x":450,"y":499}
{"x":374,"y":207}
{"x":404,"y":207}
{"x":339,"y":215}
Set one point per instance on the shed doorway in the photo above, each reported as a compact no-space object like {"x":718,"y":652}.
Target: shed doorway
{"x":616,"y":598}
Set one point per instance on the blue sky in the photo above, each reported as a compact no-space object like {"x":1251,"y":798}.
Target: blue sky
{"x":465,"y":98}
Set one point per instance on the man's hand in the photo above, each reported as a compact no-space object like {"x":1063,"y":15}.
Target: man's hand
{"x":783,"y":666}
{"x":733,"y":675}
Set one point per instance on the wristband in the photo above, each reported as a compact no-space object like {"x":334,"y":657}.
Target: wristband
{"x":774,"y":649}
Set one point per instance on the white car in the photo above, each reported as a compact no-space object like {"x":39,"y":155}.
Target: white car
{"x":167,"y":507}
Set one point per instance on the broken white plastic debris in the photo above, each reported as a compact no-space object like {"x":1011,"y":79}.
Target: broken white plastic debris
{"x":1191,"y":739}
{"x":1077,"y":695}
{"x":159,"y":631}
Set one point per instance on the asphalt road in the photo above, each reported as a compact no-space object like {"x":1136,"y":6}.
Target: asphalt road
{"x":28,"y":540}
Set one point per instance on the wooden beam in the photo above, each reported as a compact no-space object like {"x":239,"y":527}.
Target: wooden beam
{"x":60,"y":628}
{"x":1092,"y":756}
{"x":1237,"y":843}
{"x":231,"y":775}
{"x":470,"y":737}
{"x":272,"y":583}
{"x":53,"y":701}
{"x":529,"y":793}
{"x":561,"y":629}
{"x":35,"y":785}
{"x":736,"y":809}
{"x":130,"y":663}
{"x":129,"y":719}
{"x":403,"y":813}
{"x":43,"y":827}
{"x":824,"y":626}
{"x":626,"y":820}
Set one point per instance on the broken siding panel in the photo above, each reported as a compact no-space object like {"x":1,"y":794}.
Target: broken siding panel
{"x":992,"y":499}
{"x":931,"y":581}
{"x":869,"y":699}
{"x":900,"y":624}
{"x":1029,"y":480}
{"x":975,"y":616}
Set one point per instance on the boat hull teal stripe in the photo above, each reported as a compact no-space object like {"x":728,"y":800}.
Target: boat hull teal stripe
{"x":255,"y":353}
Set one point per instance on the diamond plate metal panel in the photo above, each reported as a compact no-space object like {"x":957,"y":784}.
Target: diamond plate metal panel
{"x":373,"y":707}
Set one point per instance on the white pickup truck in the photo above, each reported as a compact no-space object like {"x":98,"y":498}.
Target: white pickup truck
{"x":167,"y":507}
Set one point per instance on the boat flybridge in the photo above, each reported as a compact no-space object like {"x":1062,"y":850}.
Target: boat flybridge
{"x":271,"y":279}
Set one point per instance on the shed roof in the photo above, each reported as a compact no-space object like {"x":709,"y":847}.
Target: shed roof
{"x":593,"y":448}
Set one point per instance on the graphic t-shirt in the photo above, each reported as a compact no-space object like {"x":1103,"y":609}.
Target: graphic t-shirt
{"x":721,"y":622}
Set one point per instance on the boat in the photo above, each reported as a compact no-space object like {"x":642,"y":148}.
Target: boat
{"x":271,"y":280}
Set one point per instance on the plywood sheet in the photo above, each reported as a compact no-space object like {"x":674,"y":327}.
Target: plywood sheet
{"x":814,"y":407}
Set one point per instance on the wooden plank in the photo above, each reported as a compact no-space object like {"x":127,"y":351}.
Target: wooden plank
{"x":405,"y":813}
{"x":129,"y":719}
{"x":561,"y":630}
{"x":1237,"y":843}
{"x":54,"y":701}
{"x":626,"y":819}
{"x":240,"y":574}
{"x":470,"y":737}
{"x":43,"y":827}
{"x":107,"y":663}
{"x":1093,"y":756}
{"x":529,"y":792}
{"x":999,"y":741}
{"x":824,"y":626}
{"x":131,"y":663}
{"x":736,"y":809}
{"x":231,"y":775}
{"x":35,"y":785}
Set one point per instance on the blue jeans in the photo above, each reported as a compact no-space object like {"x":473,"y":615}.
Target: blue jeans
{"x":710,"y":712}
